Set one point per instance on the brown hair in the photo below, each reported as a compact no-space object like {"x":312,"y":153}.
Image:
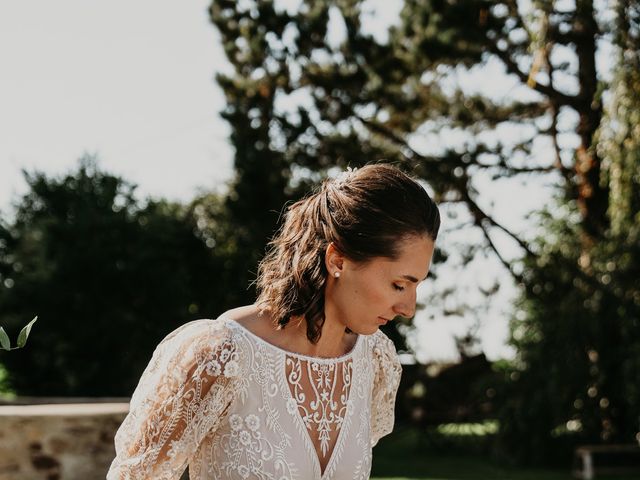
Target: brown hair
{"x":364,"y":213}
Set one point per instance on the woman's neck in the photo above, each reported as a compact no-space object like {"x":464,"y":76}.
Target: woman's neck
{"x":334,"y":341}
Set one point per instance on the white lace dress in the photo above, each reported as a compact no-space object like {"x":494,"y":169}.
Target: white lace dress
{"x":232,"y":406}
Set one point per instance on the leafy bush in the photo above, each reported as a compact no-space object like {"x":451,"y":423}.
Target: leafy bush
{"x":108,"y":276}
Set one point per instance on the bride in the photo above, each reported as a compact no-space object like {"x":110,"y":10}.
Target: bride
{"x":302,"y":383}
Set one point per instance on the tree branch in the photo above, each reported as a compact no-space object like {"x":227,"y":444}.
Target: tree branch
{"x":517,"y":170}
{"x":512,"y":67}
{"x":476,"y":211}
{"x":481,"y":216}
{"x":553,"y":129}
{"x":517,"y":277}
{"x":385,"y":132}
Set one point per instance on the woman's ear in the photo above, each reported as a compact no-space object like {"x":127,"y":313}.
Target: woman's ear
{"x":333,"y":260}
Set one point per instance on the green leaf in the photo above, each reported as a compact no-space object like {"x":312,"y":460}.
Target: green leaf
{"x":24,"y":333}
{"x":4,"y":340}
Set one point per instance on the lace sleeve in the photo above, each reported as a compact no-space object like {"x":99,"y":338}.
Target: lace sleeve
{"x":182,"y":395}
{"x":387,"y":372}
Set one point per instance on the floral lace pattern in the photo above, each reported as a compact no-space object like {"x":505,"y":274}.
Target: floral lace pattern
{"x":223,"y":401}
{"x":247,"y":449}
{"x":320,"y":392}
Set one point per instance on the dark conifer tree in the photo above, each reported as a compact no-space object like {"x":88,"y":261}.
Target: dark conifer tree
{"x":314,"y":89}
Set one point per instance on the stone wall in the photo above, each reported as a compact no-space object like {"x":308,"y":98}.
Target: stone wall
{"x":58,"y":441}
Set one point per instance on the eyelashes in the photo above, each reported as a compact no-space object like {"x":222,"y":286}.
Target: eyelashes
{"x":398,"y":287}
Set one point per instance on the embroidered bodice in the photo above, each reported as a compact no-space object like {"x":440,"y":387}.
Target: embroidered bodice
{"x":223,"y":401}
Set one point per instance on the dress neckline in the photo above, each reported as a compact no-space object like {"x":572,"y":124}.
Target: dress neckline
{"x":301,"y":356}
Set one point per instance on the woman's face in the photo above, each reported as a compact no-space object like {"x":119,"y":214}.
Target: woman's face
{"x":368,"y":295}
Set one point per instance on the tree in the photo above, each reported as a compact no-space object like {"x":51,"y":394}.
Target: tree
{"x":355,"y":99}
{"x":108,"y":276}
{"x":335,"y":93}
{"x":304,"y":99}
{"x":577,"y":331}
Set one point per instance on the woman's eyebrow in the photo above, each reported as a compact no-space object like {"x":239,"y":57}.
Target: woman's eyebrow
{"x":413,"y":279}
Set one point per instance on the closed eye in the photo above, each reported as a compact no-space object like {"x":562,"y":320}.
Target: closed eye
{"x":398,"y":287}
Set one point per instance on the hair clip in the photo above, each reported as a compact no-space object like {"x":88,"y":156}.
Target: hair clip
{"x":343,"y":176}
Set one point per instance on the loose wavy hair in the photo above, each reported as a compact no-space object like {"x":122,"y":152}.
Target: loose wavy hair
{"x":365,"y":213}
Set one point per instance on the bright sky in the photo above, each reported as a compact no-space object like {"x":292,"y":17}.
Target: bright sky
{"x":134,"y":83}
{"x":131,"y":81}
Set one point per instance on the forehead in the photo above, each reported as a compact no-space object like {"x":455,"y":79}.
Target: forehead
{"x":413,"y":258}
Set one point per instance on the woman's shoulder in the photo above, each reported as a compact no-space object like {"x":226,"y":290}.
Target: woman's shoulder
{"x":249,"y":317}
{"x":214,"y":328}
{"x":198,"y":339}
{"x":383,"y":350}
{"x":380,"y":340}
{"x":249,"y":322}
{"x":201,"y":329}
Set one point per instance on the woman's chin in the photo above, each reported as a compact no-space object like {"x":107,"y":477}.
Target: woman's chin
{"x":368,"y":330}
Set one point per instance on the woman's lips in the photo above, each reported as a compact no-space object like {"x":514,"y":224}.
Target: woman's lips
{"x":383,"y":321}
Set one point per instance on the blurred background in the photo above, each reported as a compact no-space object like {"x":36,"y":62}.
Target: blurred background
{"x":148,"y":148}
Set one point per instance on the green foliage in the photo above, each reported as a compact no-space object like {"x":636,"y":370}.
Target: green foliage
{"x":577,"y":328}
{"x":313,"y":90}
{"x":108,"y":276}
{"x":578,"y":339}
{"x":619,"y":142}
{"x":316,"y":102}
{"x":5,"y":343}
{"x":411,"y":454}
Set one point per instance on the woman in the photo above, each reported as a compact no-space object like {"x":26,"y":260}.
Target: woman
{"x":301,"y":384}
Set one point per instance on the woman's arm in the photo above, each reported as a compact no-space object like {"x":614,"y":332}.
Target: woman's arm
{"x":182,"y":395}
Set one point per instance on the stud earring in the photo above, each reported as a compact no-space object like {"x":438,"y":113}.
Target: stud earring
{"x":337,"y":274}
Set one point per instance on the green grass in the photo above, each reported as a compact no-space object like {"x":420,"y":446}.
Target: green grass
{"x":407,"y":455}
{"x":457,"y":467}
{"x":5,"y":391}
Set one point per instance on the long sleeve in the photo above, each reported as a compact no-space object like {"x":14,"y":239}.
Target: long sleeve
{"x":387,"y":372}
{"x":181,"y":397}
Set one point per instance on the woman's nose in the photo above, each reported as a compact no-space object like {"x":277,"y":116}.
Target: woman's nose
{"x":406,"y":309}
